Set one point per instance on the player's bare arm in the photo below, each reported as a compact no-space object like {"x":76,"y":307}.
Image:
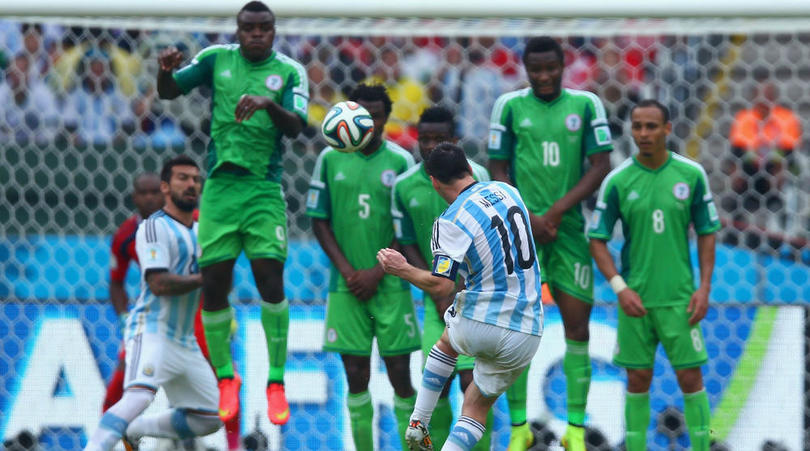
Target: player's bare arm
{"x":629,"y":300}
{"x":288,"y":122}
{"x":699,"y":303}
{"x":118,"y":297}
{"x":169,"y":59}
{"x":499,"y":170}
{"x":164,"y":283}
{"x":394,"y":263}
{"x":545,"y":226}
{"x":414,"y":257}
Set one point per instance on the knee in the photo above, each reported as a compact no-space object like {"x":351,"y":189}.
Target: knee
{"x":208,"y":424}
{"x":577,"y":330}
{"x":358,"y":376}
{"x":690,"y":380}
{"x":638,"y":381}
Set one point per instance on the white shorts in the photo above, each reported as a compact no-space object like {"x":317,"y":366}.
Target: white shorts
{"x":500,"y":354}
{"x":155,"y":361}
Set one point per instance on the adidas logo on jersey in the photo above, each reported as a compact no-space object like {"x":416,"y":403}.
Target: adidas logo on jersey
{"x":414,"y":203}
{"x":526,"y":122}
{"x":225,"y":73}
{"x":633,"y":195}
{"x":340,"y":176}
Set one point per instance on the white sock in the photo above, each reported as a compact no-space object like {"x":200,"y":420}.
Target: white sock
{"x":115,"y":421}
{"x":438,"y":368}
{"x":175,"y":424}
{"x":466,"y":433}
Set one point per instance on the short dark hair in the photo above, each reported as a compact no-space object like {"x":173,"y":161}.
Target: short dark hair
{"x":141,"y":177}
{"x":652,"y":103}
{"x":180,"y":160}
{"x":543,"y":44}
{"x":447,"y":162}
{"x":255,"y":6}
{"x":371,"y":93}
{"x":438,"y":114}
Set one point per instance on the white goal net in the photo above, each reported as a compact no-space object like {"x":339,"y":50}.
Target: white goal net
{"x":79,"y":117}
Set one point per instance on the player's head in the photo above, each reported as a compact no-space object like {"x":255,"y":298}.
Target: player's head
{"x":447,"y":164}
{"x":543,"y":59}
{"x":374,"y":98}
{"x":255,"y":30}
{"x":146,"y":194}
{"x":650,"y":125}
{"x":436,"y":125}
{"x":180,"y":183}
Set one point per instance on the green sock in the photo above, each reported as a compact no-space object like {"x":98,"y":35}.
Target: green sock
{"x":403,"y":407}
{"x":217,"y":327}
{"x":361,"y":413}
{"x":577,"y":369}
{"x":696,"y":411}
{"x":637,"y":418}
{"x":516,"y":398}
{"x":486,"y":440}
{"x":276,"y":323}
{"x":440,"y":423}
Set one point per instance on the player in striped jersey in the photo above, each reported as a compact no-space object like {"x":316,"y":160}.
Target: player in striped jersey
{"x":539,"y":140}
{"x":160,"y":344}
{"x":415,"y":207}
{"x":656,"y":195}
{"x":484,"y":236}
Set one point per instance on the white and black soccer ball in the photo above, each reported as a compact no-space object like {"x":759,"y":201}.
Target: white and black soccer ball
{"x":347,"y":127}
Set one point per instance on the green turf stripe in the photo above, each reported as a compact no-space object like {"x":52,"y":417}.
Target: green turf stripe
{"x":726,"y":413}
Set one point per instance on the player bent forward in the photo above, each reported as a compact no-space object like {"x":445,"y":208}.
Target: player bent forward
{"x":160,"y":345}
{"x":484,"y":236}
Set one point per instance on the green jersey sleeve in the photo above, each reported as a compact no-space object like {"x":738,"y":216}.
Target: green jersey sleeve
{"x":295,"y":97}
{"x":606,"y":212}
{"x":199,"y":71}
{"x":501,"y":142}
{"x":597,"y":132}
{"x":403,"y":223}
{"x":480,"y":173}
{"x":318,"y":205}
{"x":704,"y":212}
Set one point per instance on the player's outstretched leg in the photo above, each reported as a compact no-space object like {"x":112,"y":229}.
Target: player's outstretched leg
{"x":179,"y":424}
{"x":114,"y":423}
{"x":439,"y":366}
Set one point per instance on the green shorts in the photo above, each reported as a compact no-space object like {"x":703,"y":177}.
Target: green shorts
{"x":241,"y":213}
{"x":638,"y":339}
{"x":566,"y":264}
{"x":351,"y":324}
{"x":433,"y":328}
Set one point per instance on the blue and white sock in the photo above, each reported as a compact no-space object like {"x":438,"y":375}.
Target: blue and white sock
{"x":466,"y":433}
{"x":438,"y":368}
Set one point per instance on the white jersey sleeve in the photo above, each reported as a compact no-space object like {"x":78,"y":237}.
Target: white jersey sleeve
{"x":449,"y":244}
{"x":152,"y":246}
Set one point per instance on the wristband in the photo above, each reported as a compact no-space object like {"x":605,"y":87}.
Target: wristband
{"x":617,"y":283}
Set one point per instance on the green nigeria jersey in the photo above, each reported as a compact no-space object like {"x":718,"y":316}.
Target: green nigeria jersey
{"x":353,"y":191}
{"x":254,"y":144}
{"x":655,"y":208}
{"x":415,"y":206}
{"x":547,"y":144}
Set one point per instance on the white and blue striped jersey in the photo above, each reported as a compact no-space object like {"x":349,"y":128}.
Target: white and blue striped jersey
{"x":485,"y":236}
{"x":165,"y":244}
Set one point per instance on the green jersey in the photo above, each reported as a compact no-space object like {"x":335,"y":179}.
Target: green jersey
{"x":655,"y":208}
{"x":254,"y":144}
{"x":353,"y":191}
{"x":415,"y":206}
{"x":547,"y":143}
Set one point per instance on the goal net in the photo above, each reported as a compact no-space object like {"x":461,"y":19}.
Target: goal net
{"x":79,"y":118}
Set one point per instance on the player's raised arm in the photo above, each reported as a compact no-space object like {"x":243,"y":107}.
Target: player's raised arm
{"x":394,"y":263}
{"x":168,"y":60}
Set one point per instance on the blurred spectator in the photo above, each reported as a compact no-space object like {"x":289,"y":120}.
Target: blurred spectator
{"x":763,"y":142}
{"x":323,"y":93}
{"x":481,"y":84}
{"x":408,"y":95}
{"x":28,"y":109}
{"x":95,"y":109}
{"x":154,"y":129}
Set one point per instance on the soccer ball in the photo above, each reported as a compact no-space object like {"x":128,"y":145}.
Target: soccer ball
{"x":347,"y":127}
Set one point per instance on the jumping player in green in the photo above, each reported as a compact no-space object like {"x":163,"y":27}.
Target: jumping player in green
{"x":656,"y":195}
{"x":259,"y":95}
{"x":415,"y":207}
{"x":539,"y":140}
{"x":349,"y":201}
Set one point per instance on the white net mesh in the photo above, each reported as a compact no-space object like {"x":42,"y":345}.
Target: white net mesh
{"x":80,"y":117}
